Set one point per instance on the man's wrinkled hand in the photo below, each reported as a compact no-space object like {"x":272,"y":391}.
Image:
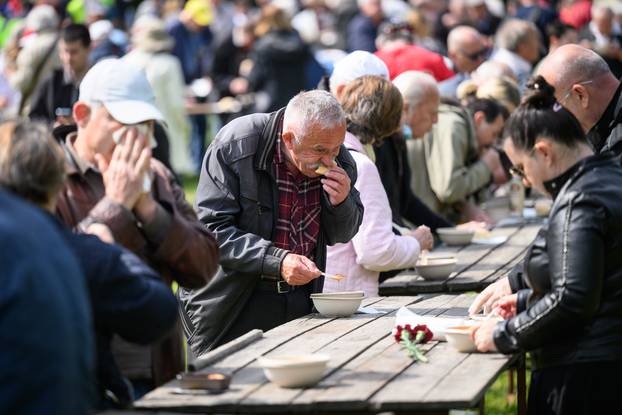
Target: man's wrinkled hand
{"x":336,"y":183}
{"x":123,"y":175}
{"x":298,"y":269}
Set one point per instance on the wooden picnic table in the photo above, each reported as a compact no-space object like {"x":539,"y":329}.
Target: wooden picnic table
{"x":477,"y":267}
{"x":368,"y":371}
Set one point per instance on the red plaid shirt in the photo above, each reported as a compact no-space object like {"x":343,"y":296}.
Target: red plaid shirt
{"x":298,"y":223}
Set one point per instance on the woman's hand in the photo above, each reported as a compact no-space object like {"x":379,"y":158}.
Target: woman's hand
{"x":506,"y":306}
{"x":482,"y":336}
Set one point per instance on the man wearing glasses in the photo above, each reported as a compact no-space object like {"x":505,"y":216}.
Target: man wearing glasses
{"x":587,"y":88}
{"x":467,"y":50}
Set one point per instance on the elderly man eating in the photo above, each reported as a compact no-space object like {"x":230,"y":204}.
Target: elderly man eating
{"x":262,"y":196}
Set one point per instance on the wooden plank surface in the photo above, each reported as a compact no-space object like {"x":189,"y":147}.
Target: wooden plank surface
{"x":478,"y":265}
{"x":292,"y":337}
{"x":450,"y":380}
{"x":368,"y":372}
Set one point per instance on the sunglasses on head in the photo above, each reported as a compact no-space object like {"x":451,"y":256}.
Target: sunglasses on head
{"x":477,"y":55}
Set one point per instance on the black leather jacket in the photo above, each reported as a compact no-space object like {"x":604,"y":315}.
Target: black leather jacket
{"x":573,"y":272}
{"x":237,"y":200}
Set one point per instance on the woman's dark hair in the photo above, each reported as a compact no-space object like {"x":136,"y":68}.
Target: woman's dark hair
{"x":32,"y":163}
{"x":540,"y":115}
{"x":491,"y":108}
{"x":373,"y":107}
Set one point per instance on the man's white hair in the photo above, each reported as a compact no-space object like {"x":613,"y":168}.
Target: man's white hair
{"x":415,"y":87}
{"x":312,"y":109}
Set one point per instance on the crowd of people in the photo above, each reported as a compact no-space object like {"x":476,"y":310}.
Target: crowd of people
{"x":360,"y":128}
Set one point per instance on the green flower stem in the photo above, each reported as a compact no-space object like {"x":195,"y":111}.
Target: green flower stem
{"x":413,"y":350}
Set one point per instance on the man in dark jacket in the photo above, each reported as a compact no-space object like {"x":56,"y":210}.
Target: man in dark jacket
{"x":585,"y":86}
{"x":273,"y":215}
{"x":55,"y":97}
{"x":46,"y":340}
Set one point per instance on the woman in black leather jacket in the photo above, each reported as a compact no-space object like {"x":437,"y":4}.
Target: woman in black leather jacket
{"x":568,"y":312}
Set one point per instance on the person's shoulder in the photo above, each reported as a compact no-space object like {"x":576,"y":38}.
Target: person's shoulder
{"x":241,"y":136}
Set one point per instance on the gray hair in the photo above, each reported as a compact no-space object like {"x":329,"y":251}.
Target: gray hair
{"x":514,"y":32}
{"x":587,"y":65}
{"x":415,"y":86}
{"x":312,"y":108}
{"x":32,"y":164}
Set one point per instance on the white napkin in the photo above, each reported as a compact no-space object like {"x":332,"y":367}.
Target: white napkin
{"x":436,"y":324}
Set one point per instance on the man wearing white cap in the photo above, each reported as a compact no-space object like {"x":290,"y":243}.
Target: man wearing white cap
{"x":112,"y":180}
{"x":354,"y":65}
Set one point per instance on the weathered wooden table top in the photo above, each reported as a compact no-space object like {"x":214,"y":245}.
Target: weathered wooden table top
{"x":368,"y":372}
{"x":477,"y":267}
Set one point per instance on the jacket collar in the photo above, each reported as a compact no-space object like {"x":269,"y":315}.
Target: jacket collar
{"x":555,"y":185}
{"x":268,"y":140}
{"x":599,"y":134}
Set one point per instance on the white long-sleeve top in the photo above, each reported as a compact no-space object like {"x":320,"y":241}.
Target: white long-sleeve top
{"x":375,"y":247}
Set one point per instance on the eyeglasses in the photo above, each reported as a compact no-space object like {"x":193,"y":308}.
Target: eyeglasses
{"x":561,"y":101}
{"x":518,"y":171}
{"x":476,"y":55}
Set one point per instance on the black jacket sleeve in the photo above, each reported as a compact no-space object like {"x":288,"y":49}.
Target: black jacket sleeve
{"x":576,"y":251}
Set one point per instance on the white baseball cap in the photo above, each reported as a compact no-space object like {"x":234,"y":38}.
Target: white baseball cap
{"x":123,"y":89}
{"x":356,"y":64}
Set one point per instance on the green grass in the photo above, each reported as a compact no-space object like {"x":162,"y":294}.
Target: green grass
{"x":496,"y":401}
{"x":190,"y":187}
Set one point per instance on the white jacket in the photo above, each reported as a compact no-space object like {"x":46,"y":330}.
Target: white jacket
{"x":375,"y":247}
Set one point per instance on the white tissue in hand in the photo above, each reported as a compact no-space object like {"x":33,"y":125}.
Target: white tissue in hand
{"x":146,"y":183}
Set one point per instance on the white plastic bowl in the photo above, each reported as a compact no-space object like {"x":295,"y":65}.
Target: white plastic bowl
{"x":436,"y":269}
{"x":296,"y":370}
{"x":349,"y":294}
{"x":459,"y":337}
{"x":454,"y":236}
{"x":337,"y":306}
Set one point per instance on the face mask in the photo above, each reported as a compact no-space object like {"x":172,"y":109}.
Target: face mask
{"x":407,"y":132}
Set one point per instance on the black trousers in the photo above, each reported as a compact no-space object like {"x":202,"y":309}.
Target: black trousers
{"x":585,"y":388}
{"x":267,"y":309}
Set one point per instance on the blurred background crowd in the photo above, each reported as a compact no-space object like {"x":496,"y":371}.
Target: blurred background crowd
{"x":211,"y":60}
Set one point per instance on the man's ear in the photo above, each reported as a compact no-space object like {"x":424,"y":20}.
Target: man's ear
{"x":583,"y":94}
{"x":288,"y":139}
{"x":339,"y":91}
{"x":478,"y":117}
{"x":81,"y":113}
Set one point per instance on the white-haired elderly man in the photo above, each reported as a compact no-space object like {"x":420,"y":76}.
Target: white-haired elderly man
{"x":275,"y":189}
{"x":113,"y":183}
{"x":421,"y":101}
